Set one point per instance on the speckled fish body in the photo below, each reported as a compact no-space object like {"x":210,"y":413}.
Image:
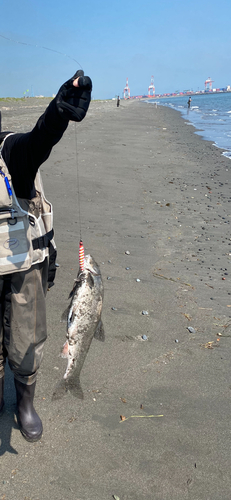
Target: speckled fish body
{"x":83,"y":323}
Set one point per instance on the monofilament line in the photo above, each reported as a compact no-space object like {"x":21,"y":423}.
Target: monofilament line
{"x":40,"y":47}
{"x":78,"y":186}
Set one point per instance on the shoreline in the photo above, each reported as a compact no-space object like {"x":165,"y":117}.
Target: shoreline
{"x":151,"y":186}
{"x":210,"y":115}
{"x":36,"y":105}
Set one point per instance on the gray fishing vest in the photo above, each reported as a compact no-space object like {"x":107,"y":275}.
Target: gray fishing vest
{"x":26,"y":226}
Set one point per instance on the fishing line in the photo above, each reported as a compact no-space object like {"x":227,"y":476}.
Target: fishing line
{"x":40,"y":47}
{"x":81,"y":247}
{"x":77,"y":182}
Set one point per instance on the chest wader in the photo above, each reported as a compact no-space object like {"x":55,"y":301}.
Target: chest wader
{"x":25,"y":235}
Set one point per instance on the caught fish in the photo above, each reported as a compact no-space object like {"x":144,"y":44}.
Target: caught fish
{"x":83,"y":323}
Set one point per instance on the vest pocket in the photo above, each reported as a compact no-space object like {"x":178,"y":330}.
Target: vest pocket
{"x":15,"y":247}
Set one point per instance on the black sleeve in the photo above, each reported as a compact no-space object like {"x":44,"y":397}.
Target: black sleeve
{"x":24,"y":153}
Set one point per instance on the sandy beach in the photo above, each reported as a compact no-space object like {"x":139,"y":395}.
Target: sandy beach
{"x":155,"y":212}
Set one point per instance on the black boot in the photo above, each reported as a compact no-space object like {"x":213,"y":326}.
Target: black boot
{"x":1,"y":394}
{"x":28,"y":420}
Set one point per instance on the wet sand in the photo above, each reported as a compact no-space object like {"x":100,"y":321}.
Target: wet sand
{"x":151,"y":187}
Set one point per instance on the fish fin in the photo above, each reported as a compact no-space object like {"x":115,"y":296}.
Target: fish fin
{"x":65,"y":350}
{"x":99,"y":332}
{"x":77,"y":284}
{"x":71,"y":294}
{"x":65,"y":313}
{"x":71,"y":385}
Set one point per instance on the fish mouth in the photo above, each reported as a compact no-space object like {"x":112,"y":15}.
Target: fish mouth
{"x":91,"y":266}
{"x":92,"y":271}
{"x":87,"y":269}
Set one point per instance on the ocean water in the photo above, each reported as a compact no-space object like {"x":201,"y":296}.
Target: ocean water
{"x":210,"y":113}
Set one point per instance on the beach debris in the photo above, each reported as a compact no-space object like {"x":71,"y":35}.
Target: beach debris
{"x":138,"y":280}
{"x":109,"y":278}
{"x":127,"y":252}
{"x":161,"y":276}
{"x":191,"y":329}
{"x":145,"y":313}
{"x":188,"y":317}
{"x":115,"y":496}
{"x":123,"y":418}
{"x":176,"y":340}
{"x":144,"y":337}
{"x":83,"y":323}
{"x":123,"y":400}
{"x":127,"y":268}
{"x":113,"y":309}
{"x":210,"y":345}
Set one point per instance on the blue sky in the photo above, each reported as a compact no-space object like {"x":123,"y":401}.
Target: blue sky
{"x":181,"y":43}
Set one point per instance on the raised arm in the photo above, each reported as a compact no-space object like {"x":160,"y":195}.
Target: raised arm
{"x":24,"y":153}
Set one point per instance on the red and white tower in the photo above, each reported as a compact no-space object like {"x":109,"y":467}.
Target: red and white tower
{"x":151,"y":88}
{"x":126,"y":90}
{"x":208,"y":84}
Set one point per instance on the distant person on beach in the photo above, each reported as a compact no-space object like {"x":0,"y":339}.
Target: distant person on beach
{"x":118,"y":101}
{"x":28,"y":252}
{"x":189,"y":102}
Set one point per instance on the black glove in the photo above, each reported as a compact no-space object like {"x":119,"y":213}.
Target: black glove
{"x":73,"y":102}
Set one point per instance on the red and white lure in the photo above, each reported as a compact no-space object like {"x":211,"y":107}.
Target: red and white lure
{"x":81,"y":255}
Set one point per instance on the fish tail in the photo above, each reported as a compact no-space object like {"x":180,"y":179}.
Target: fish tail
{"x":70,"y":385}
{"x":99,"y":332}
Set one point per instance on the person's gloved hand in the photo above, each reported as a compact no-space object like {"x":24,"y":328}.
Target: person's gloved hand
{"x":74,"y":97}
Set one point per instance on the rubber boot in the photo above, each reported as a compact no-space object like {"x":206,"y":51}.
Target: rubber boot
{"x":1,"y":395}
{"x":29,"y":422}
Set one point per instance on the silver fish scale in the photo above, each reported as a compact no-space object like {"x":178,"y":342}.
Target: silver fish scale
{"x":84,"y":319}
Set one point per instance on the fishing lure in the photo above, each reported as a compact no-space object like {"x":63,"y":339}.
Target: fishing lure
{"x":81,"y":255}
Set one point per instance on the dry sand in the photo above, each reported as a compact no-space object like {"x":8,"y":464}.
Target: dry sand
{"x":150,"y":186}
